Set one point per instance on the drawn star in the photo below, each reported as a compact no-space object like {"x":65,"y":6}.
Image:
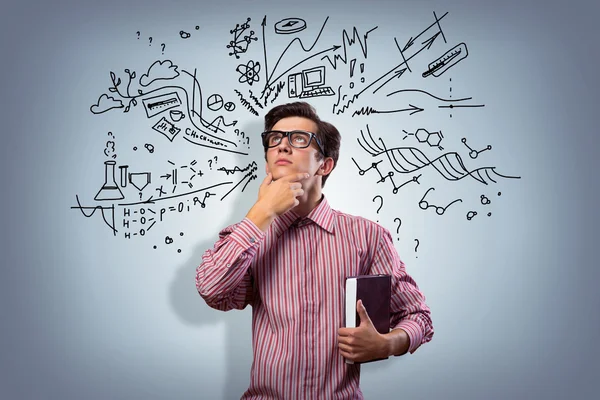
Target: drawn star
{"x":249,"y":72}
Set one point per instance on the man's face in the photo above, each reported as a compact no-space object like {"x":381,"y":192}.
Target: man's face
{"x":284,"y":159}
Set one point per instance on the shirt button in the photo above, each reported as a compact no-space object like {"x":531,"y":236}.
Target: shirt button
{"x":252,"y":240}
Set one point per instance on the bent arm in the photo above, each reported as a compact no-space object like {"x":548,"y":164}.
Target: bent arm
{"x":224,"y":278}
{"x":410,"y":317}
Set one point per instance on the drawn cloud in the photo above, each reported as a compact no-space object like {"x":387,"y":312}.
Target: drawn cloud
{"x":105,"y":103}
{"x":159,"y":70}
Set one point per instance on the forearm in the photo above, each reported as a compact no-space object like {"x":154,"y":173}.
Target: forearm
{"x":261,"y":216}
{"x":223,"y":279}
{"x":398,"y":342}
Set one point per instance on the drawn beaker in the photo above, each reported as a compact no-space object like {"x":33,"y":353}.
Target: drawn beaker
{"x":110,"y":190}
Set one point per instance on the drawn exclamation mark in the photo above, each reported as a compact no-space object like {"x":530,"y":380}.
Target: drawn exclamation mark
{"x":352,"y":64}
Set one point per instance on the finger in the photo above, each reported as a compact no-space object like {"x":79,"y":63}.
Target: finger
{"x":298,"y":192}
{"x":268,"y":179}
{"x":362,"y":313}
{"x":345,"y":348}
{"x":295,"y":185}
{"x":296,"y":177}
{"x":345,"y":331}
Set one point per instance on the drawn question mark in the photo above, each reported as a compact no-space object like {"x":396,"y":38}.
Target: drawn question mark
{"x":248,"y":140}
{"x":380,"y":205}
{"x":138,"y":33}
{"x":399,"y":224}
{"x":163,"y":47}
{"x":210,"y":163}
{"x":216,"y":159}
{"x":417,"y":246}
{"x":150,"y":38}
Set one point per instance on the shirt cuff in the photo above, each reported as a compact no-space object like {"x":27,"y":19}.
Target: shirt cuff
{"x":415,"y":335}
{"x":246,"y":234}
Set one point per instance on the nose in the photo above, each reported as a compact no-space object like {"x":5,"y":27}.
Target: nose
{"x":284,"y":145}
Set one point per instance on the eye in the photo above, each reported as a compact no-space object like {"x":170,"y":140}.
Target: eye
{"x":274,"y":140}
{"x":300,"y":138}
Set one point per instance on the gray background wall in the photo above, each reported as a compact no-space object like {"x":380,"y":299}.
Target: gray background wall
{"x":514,"y":298}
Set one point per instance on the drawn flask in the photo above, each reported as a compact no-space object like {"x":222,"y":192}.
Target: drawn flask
{"x":110,"y":190}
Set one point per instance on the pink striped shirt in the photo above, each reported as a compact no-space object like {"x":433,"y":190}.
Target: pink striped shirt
{"x":293,"y":276}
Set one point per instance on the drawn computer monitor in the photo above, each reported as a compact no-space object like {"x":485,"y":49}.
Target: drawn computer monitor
{"x":313,"y":77}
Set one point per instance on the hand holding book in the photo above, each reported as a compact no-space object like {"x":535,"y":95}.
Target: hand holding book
{"x":363,"y":343}
{"x":368,"y":299}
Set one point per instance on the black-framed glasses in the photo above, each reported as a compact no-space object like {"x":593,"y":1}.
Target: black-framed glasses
{"x":297,"y":138}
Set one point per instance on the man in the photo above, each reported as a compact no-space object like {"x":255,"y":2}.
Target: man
{"x":289,"y":257}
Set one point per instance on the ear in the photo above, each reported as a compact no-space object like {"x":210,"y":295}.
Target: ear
{"x":326,"y":167}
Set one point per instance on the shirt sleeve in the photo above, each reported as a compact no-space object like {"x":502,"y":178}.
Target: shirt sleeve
{"x":408,"y":308}
{"x":224,"y":278}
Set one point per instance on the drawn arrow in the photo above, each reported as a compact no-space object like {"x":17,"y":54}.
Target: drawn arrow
{"x":411,"y":40}
{"x":263,"y":24}
{"x":371,"y":110}
{"x":397,"y":74}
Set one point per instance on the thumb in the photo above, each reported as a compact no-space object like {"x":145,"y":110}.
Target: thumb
{"x":362,"y":313}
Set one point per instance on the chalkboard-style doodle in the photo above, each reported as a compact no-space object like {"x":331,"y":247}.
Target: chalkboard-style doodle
{"x":159,"y":104}
{"x":123,"y":169}
{"x":105,"y":103}
{"x":184,"y":34}
{"x":249,"y":72}
{"x":240,"y":42}
{"x":229,"y":106}
{"x":214,"y":102}
{"x":309,"y":83}
{"x":110,"y":147}
{"x":485,"y":200}
{"x":149,"y":147}
{"x":370,"y":110}
{"x":159,"y":70}
{"x":270,"y":81}
{"x":140,"y":180}
{"x":109,"y":190}
{"x":446,"y":61}
{"x":408,"y":52}
{"x":166,"y":128}
{"x":176,"y":115}
{"x":409,"y":159}
{"x":102,"y":209}
{"x":433,"y":139}
{"x":390,"y":175}
{"x":197,"y":112}
{"x":397,"y":92}
{"x":471,"y":215}
{"x":348,"y":42}
{"x":424,"y":205}
{"x":290,"y":25}
{"x":474,"y":153}
{"x":248,"y":177}
{"x":246,"y":103}
{"x":235,"y":169}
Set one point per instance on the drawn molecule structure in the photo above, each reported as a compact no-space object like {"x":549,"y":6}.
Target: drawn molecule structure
{"x":433,"y":139}
{"x":474,"y":153}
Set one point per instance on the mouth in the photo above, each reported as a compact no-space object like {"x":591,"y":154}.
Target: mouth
{"x":282,"y":162}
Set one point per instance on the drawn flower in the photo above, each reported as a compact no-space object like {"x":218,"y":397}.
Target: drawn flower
{"x":249,"y":72}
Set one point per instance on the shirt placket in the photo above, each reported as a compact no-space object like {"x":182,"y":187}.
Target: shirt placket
{"x":308,"y":308}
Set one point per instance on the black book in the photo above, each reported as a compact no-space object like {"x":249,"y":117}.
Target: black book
{"x":375,"y":291}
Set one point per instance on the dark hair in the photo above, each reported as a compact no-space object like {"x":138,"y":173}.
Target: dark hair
{"x":327,"y":134}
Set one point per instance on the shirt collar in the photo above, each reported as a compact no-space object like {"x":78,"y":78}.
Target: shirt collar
{"x":322,"y":215}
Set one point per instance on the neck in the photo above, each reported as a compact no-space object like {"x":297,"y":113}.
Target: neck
{"x":308,"y":201}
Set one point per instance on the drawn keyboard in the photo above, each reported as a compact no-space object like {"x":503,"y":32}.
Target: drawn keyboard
{"x":322,"y":91}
